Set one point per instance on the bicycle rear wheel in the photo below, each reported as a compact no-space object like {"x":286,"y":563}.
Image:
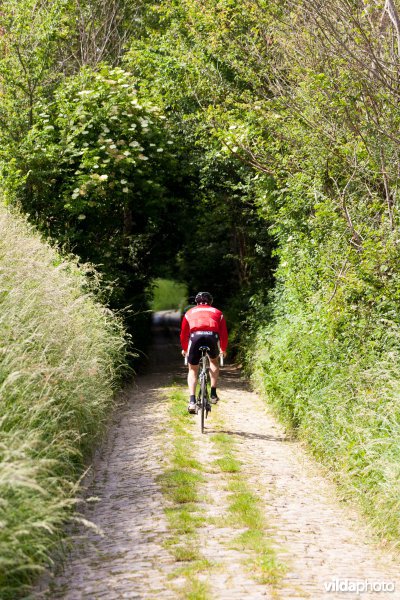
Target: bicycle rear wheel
{"x":203,"y":398}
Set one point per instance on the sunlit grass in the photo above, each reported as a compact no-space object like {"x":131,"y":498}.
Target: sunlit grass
{"x":183,"y":552}
{"x":180,"y":485}
{"x":227,"y":464}
{"x":184,"y":519}
{"x":169,"y":294}
{"x":344,"y":404}
{"x":244,"y":506}
{"x":196,"y":590}
{"x":193,"y":568}
{"x":244,"y":512}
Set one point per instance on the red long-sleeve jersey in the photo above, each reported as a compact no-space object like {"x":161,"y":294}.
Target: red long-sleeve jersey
{"x":204,"y":318}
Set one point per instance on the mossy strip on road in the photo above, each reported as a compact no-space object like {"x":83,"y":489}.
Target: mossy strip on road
{"x":184,"y":485}
{"x":180,"y":485}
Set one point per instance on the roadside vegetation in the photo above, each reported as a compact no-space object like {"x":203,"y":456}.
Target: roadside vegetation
{"x":62,"y":355}
{"x":342,"y":398}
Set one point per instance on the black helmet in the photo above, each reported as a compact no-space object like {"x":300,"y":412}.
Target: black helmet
{"x":203,"y":298}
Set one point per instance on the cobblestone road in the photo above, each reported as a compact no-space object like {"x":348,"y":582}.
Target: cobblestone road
{"x":318,"y":538}
{"x":127,"y":560}
{"x":321,"y":540}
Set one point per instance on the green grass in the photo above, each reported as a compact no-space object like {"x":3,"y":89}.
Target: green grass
{"x":196,"y":590}
{"x":193,"y":588}
{"x":227,"y":464}
{"x":60,"y":355}
{"x":244,"y":505}
{"x":180,"y":485}
{"x":244,"y":511}
{"x":183,"y":552}
{"x":192,"y":569}
{"x":184,"y":519}
{"x":169,"y":294}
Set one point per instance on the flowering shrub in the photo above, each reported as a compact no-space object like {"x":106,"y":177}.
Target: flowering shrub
{"x":91,"y":172}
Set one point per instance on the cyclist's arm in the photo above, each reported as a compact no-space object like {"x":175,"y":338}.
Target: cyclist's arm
{"x":185,"y":334}
{"x":223,"y":334}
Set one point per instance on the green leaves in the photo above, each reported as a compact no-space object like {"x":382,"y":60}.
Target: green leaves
{"x":29,"y":45}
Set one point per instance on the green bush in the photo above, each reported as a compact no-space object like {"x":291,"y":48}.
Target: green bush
{"x":339,"y":389}
{"x":93,"y":173}
{"x":61,"y":355}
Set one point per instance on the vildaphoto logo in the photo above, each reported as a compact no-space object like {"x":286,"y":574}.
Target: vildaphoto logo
{"x":360,"y":586}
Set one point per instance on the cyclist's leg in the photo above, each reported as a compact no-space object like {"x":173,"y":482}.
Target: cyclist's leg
{"x":193,"y":368}
{"x":192,"y":381}
{"x":192,"y":378}
{"x":214,"y":366}
{"x":214,"y":371}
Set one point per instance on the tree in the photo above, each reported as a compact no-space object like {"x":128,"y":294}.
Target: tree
{"x":101,"y":30}
{"x":29,"y":69}
{"x":91,"y":174}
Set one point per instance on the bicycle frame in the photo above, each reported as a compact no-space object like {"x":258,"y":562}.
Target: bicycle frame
{"x":203,"y":400}
{"x":203,"y":405}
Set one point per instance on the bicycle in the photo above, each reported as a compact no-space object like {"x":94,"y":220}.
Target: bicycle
{"x":203,"y":405}
{"x":203,"y":398}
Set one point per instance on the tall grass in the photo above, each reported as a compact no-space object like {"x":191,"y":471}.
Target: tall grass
{"x":60,"y":358}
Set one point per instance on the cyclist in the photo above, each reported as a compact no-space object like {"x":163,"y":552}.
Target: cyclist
{"x":203,"y":325}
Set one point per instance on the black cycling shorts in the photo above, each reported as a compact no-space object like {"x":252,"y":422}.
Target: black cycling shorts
{"x":202,"y":338}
